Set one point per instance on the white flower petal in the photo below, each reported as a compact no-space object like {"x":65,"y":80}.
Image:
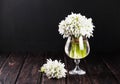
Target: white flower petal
{"x":76,"y":25}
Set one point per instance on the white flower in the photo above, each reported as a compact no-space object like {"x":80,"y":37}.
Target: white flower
{"x":76,"y":25}
{"x":54,"y":69}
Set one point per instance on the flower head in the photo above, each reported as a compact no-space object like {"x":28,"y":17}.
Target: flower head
{"x":76,"y":25}
{"x":54,"y":69}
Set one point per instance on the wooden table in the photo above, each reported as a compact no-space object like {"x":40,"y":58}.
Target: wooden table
{"x":22,"y":68}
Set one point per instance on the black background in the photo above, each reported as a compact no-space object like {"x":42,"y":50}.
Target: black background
{"x":32,"y":25}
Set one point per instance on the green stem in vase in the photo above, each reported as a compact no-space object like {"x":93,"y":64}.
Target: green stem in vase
{"x":76,"y":52}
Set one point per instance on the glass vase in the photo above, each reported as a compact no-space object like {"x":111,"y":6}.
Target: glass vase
{"x":77,"y":48}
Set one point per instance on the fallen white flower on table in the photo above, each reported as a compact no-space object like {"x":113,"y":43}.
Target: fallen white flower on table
{"x":54,"y":69}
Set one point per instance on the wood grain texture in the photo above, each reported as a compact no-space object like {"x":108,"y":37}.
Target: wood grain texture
{"x":98,"y":72}
{"x":45,"y":80}
{"x":113,"y":65}
{"x":10,"y":69}
{"x":29,"y":73}
{"x":3,"y":58}
{"x":18,"y":68}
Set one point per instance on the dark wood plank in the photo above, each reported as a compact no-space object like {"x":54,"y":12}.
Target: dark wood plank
{"x":15,"y":68}
{"x":113,"y":63}
{"x":98,"y":72}
{"x":45,"y":80}
{"x":3,"y":58}
{"x":10,"y":69}
{"x":76,"y":79}
{"x":53,"y":56}
{"x":29,"y":73}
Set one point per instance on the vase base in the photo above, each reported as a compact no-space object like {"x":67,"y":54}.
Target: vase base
{"x":77,"y":72}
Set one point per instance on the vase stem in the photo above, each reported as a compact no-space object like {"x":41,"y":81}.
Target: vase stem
{"x":77,"y":64}
{"x":77,"y":69}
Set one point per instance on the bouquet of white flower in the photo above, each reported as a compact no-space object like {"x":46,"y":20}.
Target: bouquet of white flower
{"x":77,"y":28}
{"x":76,"y":25}
{"x":54,"y":69}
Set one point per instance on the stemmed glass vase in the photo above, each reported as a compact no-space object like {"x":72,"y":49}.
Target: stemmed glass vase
{"x":77,"y":48}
